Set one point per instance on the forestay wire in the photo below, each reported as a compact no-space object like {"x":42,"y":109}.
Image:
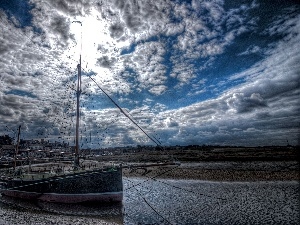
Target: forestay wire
{"x":125,"y":114}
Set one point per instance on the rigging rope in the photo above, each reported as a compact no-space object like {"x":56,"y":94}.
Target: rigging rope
{"x":122,"y":111}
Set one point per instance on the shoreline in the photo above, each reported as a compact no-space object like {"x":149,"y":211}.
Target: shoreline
{"x":218,"y":171}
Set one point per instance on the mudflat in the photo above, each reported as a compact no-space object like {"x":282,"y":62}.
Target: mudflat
{"x":222,"y":171}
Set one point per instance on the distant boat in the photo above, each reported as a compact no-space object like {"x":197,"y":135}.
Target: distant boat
{"x":73,"y":186}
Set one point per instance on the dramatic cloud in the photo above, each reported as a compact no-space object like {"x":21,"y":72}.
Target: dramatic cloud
{"x":189,"y":72}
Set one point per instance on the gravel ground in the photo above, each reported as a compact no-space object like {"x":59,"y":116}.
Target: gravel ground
{"x":25,"y":214}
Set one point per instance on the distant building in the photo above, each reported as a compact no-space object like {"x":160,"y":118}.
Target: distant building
{"x":7,"y":150}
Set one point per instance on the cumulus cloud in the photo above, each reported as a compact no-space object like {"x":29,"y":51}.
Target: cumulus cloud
{"x":158,"y":90}
{"x":106,"y":62}
{"x":60,"y":26}
{"x":71,"y":7}
{"x":142,"y":53}
{"x":116,"y":30}
{"x":241,"y":104}
{"x":198,"y":32}
{"x":264,"y":107}
{"x":146,"y":61}
{"x":252,"y":50}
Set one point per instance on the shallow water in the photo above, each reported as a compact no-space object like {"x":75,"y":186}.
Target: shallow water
{"x":175,"y":202}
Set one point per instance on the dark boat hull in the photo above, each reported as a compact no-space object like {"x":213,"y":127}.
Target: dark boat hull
{"x":89,"y":186}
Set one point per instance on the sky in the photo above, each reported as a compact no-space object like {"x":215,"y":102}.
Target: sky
{"x":197,"y":72}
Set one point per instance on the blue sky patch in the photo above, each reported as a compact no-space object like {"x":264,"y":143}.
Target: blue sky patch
{"x":19,"y":9}
{"x":21,"y":93}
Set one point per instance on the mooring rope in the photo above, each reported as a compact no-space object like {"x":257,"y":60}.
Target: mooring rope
{"x":145,"y":200}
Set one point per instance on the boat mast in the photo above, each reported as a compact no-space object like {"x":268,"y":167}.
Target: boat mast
{"x":78,"y":93}
{"x":76,"y":161}
{"x":17,"y":147}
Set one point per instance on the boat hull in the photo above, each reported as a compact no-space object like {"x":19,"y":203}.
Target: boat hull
{"x":89,"y":186}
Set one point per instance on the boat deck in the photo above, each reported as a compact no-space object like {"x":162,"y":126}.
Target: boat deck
{"x":48,"y":170}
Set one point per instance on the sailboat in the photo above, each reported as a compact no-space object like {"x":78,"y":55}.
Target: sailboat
{"x":75,"y":185}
